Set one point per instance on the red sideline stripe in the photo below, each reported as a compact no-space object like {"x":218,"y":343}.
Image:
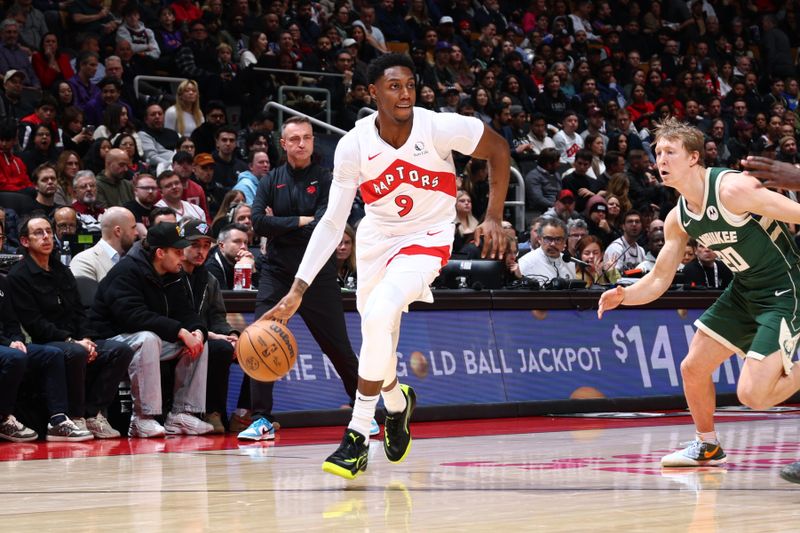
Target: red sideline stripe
{"x":442,"y":252}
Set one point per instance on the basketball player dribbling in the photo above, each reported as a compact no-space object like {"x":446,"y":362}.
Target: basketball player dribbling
{"x":757,"y":316}
{"x":400,"y":159}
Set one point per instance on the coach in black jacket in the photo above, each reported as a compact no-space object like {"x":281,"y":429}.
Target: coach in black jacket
{"x":289,"y":202}
{"x":143,"y":302}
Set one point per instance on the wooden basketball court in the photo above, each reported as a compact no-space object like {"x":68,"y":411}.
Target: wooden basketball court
{"x":542,"y":474}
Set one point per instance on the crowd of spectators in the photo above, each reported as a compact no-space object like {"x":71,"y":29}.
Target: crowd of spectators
{"x":574,"y":87}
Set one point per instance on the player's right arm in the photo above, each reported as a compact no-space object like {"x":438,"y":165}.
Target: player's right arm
{"x":657,"y":281}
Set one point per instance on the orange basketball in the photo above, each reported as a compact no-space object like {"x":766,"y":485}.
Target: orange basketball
{"x":267,"y":350}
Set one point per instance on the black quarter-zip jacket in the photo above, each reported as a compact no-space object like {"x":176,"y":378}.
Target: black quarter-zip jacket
{"x":291,"y":193}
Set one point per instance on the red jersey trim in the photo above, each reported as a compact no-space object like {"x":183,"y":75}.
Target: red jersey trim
{"x":442,"y":252}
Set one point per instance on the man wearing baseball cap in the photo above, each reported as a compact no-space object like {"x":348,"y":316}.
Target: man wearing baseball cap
{"x":203,"y":166}
{"x":207,"y":301}
{"x":143,"y":303}
{"x":13,"y":105}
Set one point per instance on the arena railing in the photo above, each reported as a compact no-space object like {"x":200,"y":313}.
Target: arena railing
{"x":173,"y":82}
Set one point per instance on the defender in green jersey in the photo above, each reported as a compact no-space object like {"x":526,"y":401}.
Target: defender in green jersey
{"x":758,"y":315}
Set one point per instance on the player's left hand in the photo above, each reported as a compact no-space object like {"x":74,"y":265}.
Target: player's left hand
{"x":772,"y":173}
{"x":494,"y":238}
{"x":284,"y":309}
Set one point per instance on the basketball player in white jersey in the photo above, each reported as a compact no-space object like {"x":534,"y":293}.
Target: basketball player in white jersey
{"x":400,"y":159}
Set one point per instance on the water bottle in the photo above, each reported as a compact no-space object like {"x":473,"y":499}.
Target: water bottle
{"x":66,"y":254}
{"x":242,"y":275}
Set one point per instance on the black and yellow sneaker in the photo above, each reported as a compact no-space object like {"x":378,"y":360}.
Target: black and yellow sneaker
{"x":350,"y":458}
{"x":396,"y":430}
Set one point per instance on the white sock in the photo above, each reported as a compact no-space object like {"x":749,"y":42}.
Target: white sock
{"x":363,"y":413}
{"x":710,"y":436}
{"x":394,"y":400}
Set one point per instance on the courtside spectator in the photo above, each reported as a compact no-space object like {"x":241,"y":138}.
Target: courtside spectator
{"x":117,"y":235}
{"x":139,"y":303}
{"x":47,"y":303}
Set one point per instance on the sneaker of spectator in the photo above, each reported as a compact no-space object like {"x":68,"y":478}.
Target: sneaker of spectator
{"x":145,"y":427}
{"x":100,"y":427}
{"x":13,"y":430}
{"x":215,"y":419}
{"x":67,"y":431}
{"x":186,"y":424}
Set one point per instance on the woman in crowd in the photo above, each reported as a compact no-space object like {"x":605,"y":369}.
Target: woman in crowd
{"x":619,"y":187}
{"x":653,"y":87}
{"x":482,"y":103}
{"x":427,"y":98}
{"x":346,"y":259}
{"x":257,"y":46}
{"x":186,"y":144}
{"x":49,"y":63}
{"x":459,"y":65}
{"x":368,"y":47}
{"x":685,"y":83}
{"x":41,"y":150}
{"x":465,"y":221}
{"x":590,"y":250}
{"x":418,"y":18}
{"x":610,"y":110}
{"x":640,"y":107}
{"x":95,"y":158}
{"x":639,"y":77}
{"x":115,"y":122}
{"x":75,"y":136}
{"x":614,"y":213}
{"x":130,"y":144}
{"x":595,"y":144}
{"x":487,"y":80}
{"x":562,"y":71}
{"x":580,"y":72}
{"x":760,"y":123}
{"x":185,"y":115}
{"x":67,"y":165}
{"x":342,"y":20}
{"x":724,"y":79}
{"x":221,"y":218}
{"x":619,"y":143}
{"x":512,"y":87}
{"x":64,"y":96}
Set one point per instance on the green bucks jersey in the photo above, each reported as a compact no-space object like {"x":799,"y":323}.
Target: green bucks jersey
{"x":757,"y":249}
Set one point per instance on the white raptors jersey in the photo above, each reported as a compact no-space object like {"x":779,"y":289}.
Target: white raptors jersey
{"x":411,"y":188}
